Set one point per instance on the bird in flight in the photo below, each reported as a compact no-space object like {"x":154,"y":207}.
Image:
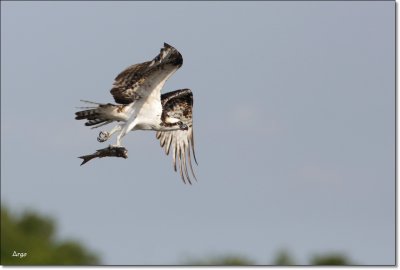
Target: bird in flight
{"x":141,"y":106}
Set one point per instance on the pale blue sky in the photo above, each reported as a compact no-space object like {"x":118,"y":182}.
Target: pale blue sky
{"x":293,"y":117}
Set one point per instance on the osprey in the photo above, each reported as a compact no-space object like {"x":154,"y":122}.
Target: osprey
{"x":142,"y":107}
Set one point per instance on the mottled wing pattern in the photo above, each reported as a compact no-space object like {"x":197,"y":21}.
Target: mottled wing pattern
{"x":128,"y":82}
{"x":179,"y":104}
{"x":137,"y":81}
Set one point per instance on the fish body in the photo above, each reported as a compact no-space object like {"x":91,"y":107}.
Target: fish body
{"x":110,"y":151}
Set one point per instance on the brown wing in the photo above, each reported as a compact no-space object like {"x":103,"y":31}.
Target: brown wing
{"x":126,"y":84}
{"x":179,"y":104}
{"x":138,"y":81}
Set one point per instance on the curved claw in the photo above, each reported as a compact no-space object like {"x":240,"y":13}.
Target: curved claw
{"x":103,"y":136}
{"x":183,"y":126}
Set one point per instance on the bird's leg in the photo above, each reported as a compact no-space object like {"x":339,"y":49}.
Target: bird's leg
{"x":124,"y":131}
{"x":104,"y":136}
{"x":119,"y":138}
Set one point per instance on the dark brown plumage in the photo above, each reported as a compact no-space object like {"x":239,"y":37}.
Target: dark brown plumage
{"x":127,"y":85}
{"x":179,"y":104}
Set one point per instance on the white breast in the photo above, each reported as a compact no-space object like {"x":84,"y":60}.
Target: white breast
{"x":146,"y":112}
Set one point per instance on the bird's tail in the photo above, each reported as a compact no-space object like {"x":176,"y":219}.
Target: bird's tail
{"x":100,"y":114}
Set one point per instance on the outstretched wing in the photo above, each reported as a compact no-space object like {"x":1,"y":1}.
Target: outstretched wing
{"x":140,"y":80}
{"x":179,"y":104}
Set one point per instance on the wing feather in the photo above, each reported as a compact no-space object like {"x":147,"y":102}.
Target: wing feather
{"x":169,"y":140}
{"x":139,"y":80}
{"x":182,"y":149}
{"x":179,"y":104}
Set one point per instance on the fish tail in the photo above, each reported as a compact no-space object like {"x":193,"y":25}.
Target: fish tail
{"x":87,"y":158}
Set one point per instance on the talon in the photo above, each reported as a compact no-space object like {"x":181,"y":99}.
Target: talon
{"x":183,"y":126}
{"x":103,"y":136}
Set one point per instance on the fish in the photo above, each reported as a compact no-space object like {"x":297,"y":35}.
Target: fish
{"x":110,"y":151}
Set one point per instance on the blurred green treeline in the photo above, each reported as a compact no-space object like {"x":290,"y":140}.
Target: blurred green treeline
{"x":283,"y":258}
{"x":31,"y":238}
